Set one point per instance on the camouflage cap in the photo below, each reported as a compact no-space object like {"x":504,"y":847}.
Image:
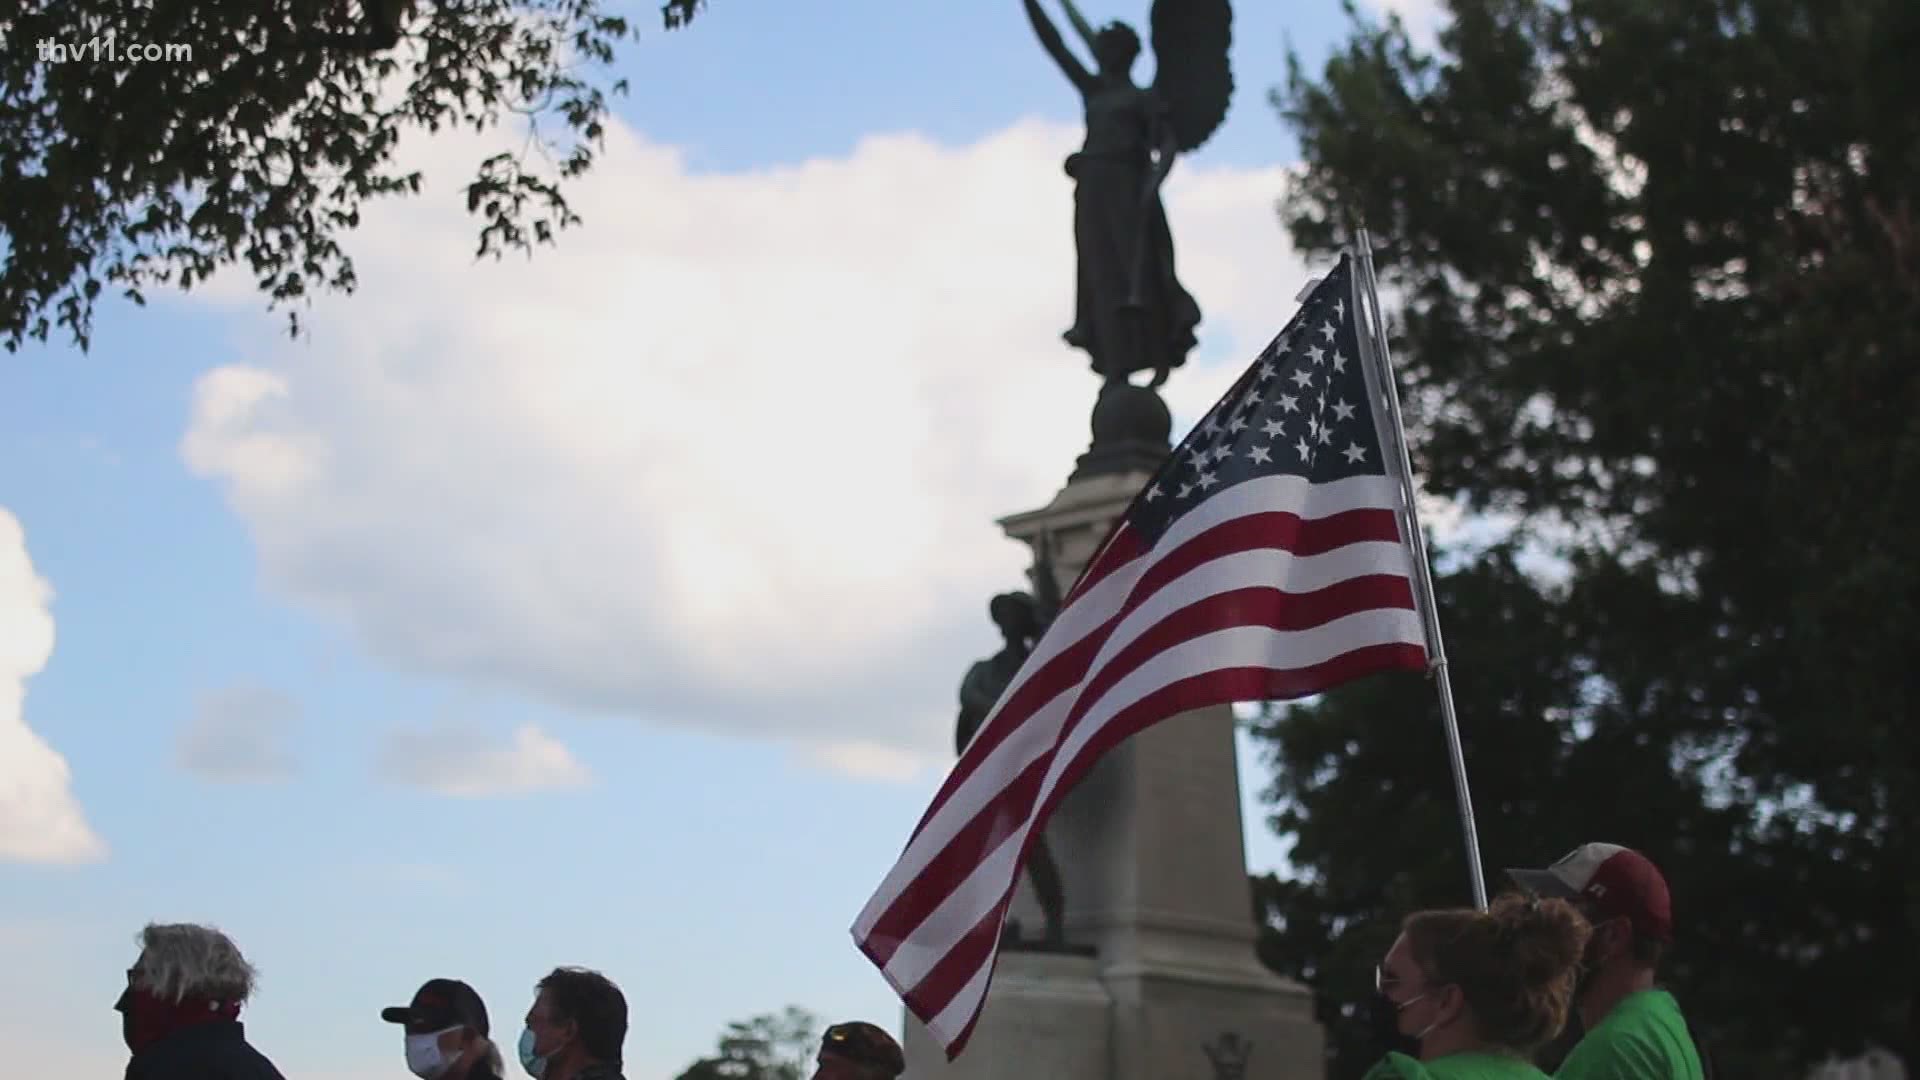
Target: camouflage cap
{"x":864,"y":1044}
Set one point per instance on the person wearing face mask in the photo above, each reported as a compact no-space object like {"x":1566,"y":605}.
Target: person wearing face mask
{"x":1479,"y":991}
{"x":180,"y":1012}
{"x":576,"y":1027}
{"x":1633,"y":1029}
{"x":447,"y":1033}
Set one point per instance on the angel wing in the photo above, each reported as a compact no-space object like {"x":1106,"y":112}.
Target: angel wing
{"x":1194,"y":79}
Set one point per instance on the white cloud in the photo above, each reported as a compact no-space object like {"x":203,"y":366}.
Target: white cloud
{"x":872,"y":761}
{"x":462,"y":762}
{"x":40,"y":820}
{"x":240,"y":734}
{"x":731,"y":454}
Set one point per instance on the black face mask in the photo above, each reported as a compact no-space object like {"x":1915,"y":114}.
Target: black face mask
{"x":124,"y":1006}
{"x":1591,"y":959}
{"x":1386,"y":1028}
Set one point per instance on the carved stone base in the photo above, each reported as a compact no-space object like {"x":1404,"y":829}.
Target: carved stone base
{"x":1209,"y":1025}
{"x":1014,"y":938}
{"x":1047,"y":1015}
{"x":1056,"y":1016}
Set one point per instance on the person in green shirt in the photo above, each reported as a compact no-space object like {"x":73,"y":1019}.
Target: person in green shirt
{"x":1634,"y":1029}
{"x":1480,"y":991}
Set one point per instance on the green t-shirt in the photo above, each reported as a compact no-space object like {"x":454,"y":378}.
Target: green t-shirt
{"x":1643,"y":1038}
{"x":1468,"y":1066}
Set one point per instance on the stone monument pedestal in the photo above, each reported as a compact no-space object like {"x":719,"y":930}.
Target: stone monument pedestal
{"x":1151,"y":852}
{"x":1047,"y":1016}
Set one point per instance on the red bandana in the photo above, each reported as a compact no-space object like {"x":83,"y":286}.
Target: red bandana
{"x":147,"y":1019}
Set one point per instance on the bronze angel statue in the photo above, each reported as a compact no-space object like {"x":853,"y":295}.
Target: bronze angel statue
{"x":1130,"y":311}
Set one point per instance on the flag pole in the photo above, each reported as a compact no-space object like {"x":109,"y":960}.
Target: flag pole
{"x":1374,"y":342}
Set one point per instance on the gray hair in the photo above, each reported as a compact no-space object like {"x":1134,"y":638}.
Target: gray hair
{"x":181,"y":960}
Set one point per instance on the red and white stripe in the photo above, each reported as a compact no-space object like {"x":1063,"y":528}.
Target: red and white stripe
{"x":1272,"y":589}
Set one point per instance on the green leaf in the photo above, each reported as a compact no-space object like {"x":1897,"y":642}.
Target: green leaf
{"x":265,"y":152}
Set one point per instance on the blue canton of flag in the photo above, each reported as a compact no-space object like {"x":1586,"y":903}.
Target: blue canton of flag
{"x":1301,"y":410}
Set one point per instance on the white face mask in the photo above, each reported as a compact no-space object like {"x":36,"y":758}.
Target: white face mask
{"x":424,"y":1058}
{"x":1423,"y":1032}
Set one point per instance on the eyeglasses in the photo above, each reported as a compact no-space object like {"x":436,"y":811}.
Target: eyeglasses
{"x":1382,"y":978}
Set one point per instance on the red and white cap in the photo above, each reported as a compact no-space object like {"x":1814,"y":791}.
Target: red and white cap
{"x":1614,"y":881}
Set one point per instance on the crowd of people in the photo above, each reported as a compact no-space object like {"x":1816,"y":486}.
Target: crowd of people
{"x":180,"y":1015}
{"x":1475,"y":993}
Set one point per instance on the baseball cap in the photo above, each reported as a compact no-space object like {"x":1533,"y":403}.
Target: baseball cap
{"x":1617,"y":882}
{"x":440,"y":1004}
{"x":864,"y":1044}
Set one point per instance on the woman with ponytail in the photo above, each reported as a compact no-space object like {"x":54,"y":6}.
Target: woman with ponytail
{"x":1480,"y":991}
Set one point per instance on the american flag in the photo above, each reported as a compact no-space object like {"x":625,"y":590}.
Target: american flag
{"x":1264,"y":561}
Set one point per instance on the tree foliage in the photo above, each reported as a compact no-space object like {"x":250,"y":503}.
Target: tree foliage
{"x":1660,"y":279}
{"x":767,"y":1047}
{"x":261,"y":146}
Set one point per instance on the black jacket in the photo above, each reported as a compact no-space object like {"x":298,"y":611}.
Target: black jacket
{"x":216,"y":1051}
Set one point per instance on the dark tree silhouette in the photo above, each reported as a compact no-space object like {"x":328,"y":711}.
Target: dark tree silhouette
{"x":122,"y":168}
{"x":1660,"y":266}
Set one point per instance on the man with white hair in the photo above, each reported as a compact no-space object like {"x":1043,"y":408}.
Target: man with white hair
{"x":180,"y":1013}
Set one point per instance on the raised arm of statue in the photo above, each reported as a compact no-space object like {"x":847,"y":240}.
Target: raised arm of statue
{"x":1080,"y":24}
{"x":1049,"y":36}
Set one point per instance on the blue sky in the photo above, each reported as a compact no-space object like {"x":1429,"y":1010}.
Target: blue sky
{"x":604,"y":610}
